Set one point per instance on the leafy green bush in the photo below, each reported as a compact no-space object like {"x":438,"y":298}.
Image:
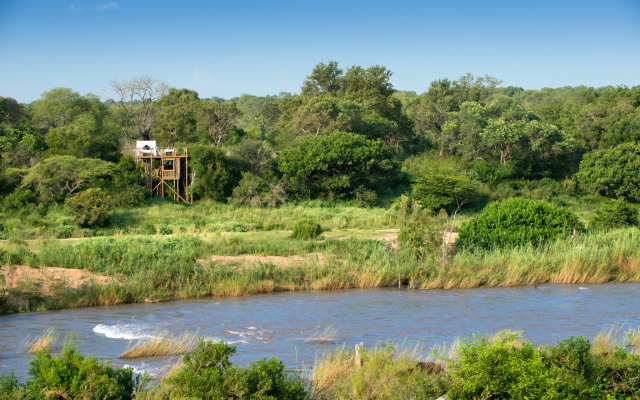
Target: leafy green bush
{"x":516,"y":222}
{"x":440,"y":190}
{"x":336,"y":164}
{"x":572,"y":354}
{"x":164,"y":229}
{"x":208,"y":374}
{"x":493,"y":173}
{"x":70,"y":376}
{"x":128,"y":197}
{"x":211,"y":169}
{"x":502,"y":369}
{"x":612,"y":172}
{"x":90,"y":207}
{"x":306,"y":229}
{"x":19,"y":198}
{"x":614,"y":214}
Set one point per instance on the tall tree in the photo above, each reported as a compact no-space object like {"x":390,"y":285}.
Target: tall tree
{"x":218,"y":119}
{"x":262,"y":111}
{"x":58,"y":176}
{"x":137,"y":98}
{"x":325,"y":79}
{"x":177,"y":115}
{"x":430,"y":111}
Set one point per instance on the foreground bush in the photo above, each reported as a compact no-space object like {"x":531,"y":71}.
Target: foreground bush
{"x":70,"y":376}
{"x":208,"y":374}
{"x":516,"y":222}
{"x":306,"y":229}
{"x":506,"y":367}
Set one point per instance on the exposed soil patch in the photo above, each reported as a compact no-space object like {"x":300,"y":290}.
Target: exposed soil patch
{"x":46,"y":278}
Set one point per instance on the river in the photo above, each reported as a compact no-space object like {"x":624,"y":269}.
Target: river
{"x":277,"y":324}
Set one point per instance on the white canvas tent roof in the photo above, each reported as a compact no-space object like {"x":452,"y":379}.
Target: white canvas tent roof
{"x":140,"y":144}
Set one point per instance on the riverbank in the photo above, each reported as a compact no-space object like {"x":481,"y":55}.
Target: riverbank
{"x":504,"y":365}
{"x":161,"y":268}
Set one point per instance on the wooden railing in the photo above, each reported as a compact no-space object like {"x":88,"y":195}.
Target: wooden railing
{"x":169,"y":174}
{"x":161,"y":152}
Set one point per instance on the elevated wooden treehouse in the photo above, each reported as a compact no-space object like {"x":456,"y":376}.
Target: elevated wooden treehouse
{"x":165,"y":169}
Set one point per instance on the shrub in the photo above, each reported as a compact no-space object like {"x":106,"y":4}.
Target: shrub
{"x":211,"y":170}
{"x":503,"y":368}
{"x":19,"y":198}
{"x":614,"y":214}
{"x":612,"y":172}
{"x":250,"y":190}
{"x":572,"y":354}
{"x":165,"y":230}
{"x":208,"y":374}
{"x":516,"y":222}
{"x":70,"y":376}
{"x":128,"y":196}
{"x":440,"y":190}
{"x":493,"y":173}
{"x":306,"y":229}
{"x":90,"y":208}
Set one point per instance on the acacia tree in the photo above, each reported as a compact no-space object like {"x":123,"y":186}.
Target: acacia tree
{"x":218,"y":119}
{"x":58,"y":176}
{"x":137,"y":98}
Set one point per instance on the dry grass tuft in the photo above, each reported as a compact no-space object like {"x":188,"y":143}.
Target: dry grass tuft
{"x":605,"y":342}
{"x":48,"y":337}
{"x":162,"y":343}
{"x":328,"y":335}
{"x":383,"y":372}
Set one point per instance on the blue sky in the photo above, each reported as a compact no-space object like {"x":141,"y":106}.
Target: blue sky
{"x":263,"y":47}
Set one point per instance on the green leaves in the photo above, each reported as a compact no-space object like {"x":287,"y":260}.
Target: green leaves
{"x":516,"y":222}
{"x":336,"y":163}
{"x":58,"y":176}
{"x":612,"y":172}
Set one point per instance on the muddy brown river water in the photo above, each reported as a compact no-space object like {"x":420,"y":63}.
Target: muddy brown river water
{"x":278,"y":324}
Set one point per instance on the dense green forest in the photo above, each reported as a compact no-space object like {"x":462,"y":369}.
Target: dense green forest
{"x":348,"y":136}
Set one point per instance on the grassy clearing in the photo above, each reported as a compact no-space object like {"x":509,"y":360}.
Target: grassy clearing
{"x":162,"y":343}
{"x":31,"y":345}
{"x":159,"y":216}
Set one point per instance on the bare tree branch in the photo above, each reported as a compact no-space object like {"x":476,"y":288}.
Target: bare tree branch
{"x":144,"y":91}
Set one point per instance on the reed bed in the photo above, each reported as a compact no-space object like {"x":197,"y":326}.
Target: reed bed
{"x":383,"y":372}
{"x":31,"y":345}
{"x":603,"y":257}
{"x":162,"y":343}
{"x":165,"y":268}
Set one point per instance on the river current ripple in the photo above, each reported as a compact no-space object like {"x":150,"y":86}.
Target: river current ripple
{"x":277,"y":324}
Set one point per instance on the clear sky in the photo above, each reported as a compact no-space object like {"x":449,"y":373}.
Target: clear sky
{"x":264,"y":47}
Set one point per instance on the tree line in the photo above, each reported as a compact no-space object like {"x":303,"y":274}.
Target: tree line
{"x":348,"y":134}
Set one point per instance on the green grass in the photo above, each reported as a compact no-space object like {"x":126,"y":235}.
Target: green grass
{"x":174,"y":267}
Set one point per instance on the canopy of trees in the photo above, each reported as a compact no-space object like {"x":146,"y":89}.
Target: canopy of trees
{"x":345,"y":133}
